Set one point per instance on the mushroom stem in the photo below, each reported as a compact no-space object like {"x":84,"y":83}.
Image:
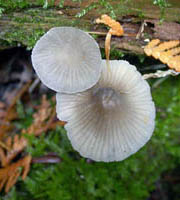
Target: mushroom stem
{"x":107,"y":49}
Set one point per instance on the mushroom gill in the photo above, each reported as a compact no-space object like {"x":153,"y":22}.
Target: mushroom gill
{"x":113,"y":119}
{"x":67,"y":59}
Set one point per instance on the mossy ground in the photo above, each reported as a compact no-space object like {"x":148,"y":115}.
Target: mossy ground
{"x":25,"y":21}
{"x":132,"y":179}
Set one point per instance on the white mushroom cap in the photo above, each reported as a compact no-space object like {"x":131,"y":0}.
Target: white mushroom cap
{"x":67,"y":59}
{"x":112,"y":120}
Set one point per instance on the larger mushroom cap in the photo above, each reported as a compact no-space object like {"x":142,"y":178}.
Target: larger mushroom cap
{"x":67,"y":60}
{"x":112,"y":120}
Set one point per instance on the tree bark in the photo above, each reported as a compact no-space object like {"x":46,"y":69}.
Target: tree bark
{"x":139,"y":18}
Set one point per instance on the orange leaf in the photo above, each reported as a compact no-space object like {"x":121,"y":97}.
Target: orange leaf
{"x":10,"y":174}
{"x":13,"y":146}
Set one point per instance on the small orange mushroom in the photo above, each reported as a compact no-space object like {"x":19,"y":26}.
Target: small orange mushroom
{"x":115,"y":29}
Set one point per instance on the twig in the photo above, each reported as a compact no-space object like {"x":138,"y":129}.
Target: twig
{"x":159,"y":81}
{"x":47,"y":159}
{"x":34,"y":85}
{"x":96,"y":33}
{"x":161,"y":74}
{"x":141,"y":30}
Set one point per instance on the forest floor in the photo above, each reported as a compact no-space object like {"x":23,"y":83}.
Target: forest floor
{"x":54,"y":170}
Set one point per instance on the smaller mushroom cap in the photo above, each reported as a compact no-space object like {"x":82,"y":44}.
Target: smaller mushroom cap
{"x":112,"y":120}
{"x":67,"y":60}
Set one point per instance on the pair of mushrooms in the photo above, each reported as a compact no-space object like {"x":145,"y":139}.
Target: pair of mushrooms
{"x":109,"y":114}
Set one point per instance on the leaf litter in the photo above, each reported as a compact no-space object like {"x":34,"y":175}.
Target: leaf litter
{"x":15,"y":162}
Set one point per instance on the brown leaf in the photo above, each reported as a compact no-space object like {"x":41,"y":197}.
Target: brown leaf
{"x":10,"y":114}
{"x":16,"y":145}
{"x":10,"y":174}
{"x":43,"y":118}
{"x":57,"y":123}
{"x":11,"y":147}
{"x":2,"y":105}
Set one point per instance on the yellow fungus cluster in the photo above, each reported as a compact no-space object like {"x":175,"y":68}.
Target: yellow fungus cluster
{"x":167,"y":52}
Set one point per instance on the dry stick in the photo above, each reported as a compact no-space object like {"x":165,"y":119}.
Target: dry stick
{"x":158,"y":82}
{"x":161,"y":74}
{"x":34,"y":85}
{"x":96,"y":33}
{"x":141,"y":30}
{"x":103,"y":33}
{"x":46,"y":159}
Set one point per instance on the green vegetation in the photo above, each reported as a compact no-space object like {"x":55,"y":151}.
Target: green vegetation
{"x":76,"y":178}
{"x":27,"y":20}
{"x":86,"y":10}
{"x":162,"y":5}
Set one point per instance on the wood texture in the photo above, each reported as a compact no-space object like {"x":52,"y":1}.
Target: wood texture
{"x":140,"y":20}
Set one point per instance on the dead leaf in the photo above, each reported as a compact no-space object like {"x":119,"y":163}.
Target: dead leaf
{"x":2,"y":105}
{"x":15,"y":146}
{"x":42,"y":118}
{"x":10,"y":173}
{"x":11,"y":147}
{"x":10,"y":114}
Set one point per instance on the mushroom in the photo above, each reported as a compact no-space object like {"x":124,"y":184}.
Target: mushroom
{"x":113,"y":119}
{"x":67,"y":59}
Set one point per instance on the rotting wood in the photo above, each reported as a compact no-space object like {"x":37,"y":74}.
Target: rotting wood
{"x":25,"y":27}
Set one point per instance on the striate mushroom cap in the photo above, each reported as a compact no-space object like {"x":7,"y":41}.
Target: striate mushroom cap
{"x":112,"y":120}
{"x":67,"y":60}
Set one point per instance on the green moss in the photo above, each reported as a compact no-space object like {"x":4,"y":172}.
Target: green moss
{"x":28,"y":27}
{"x":21,"y":26}
{"x":11,"y":5}
{"x":21,"y":36}
{"x":163,"y":4}
{"x":86,"y":10}
{"x":14,"y":4}
{"x":133,"y":178}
